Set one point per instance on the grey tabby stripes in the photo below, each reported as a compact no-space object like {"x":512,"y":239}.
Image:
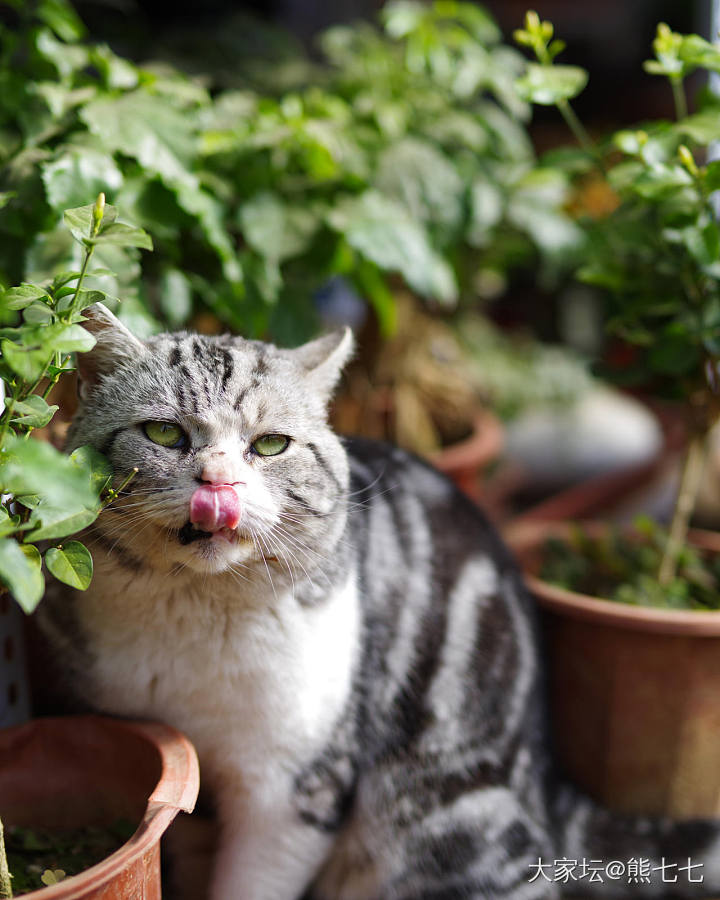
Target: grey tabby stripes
{"x":437,"y":780}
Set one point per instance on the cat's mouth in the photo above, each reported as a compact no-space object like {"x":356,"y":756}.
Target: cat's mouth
{"x":189,"y":533}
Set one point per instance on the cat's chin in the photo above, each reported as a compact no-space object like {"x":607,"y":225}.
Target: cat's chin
{"x":215,"y":552}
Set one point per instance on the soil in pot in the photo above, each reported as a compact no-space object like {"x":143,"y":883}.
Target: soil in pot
{"x":39,"y":857}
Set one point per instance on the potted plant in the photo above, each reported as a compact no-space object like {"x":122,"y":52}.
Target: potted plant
{"x":629,"y":733}
{"x":76,"y":770}
{"x":78,"y":778}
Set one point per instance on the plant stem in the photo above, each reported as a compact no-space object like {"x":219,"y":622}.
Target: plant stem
{"x":7,"y":415}
{"x":5,"y":876}
{"x":114,"y":493}
{"x":679,"y":98}
{"x":577,"y":127}
{"x":689,"y":483}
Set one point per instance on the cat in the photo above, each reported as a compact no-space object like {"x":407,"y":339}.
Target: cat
{"x":339,"y":631}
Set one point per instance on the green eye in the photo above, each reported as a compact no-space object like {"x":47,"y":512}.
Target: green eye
{"x":166,"y":434}
{"x":271,"y":444}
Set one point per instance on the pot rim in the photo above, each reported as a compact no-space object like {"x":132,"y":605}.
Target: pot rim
{"x":176,"y":791}
{"x":480,"y":447}
{"x":524,"y":536}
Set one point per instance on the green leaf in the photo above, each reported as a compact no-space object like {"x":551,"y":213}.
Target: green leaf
{"x":486,"y":211}
{"x":175,"y":296}
{"x":36,"y":467}
{"x":80,"y":220}
{"x":161,"y":138}
{"x":78,"y":173}
{"x":20,"y":297}
{"x":124,"y":236}
{"x":21,"y":572}
{"x":33,"y":411}
{"x":38,"y":313}
{"x":90,"y":460}
{"x":52,"y":522}
{"x":62,"y":18}
{"x":424,"y":180}
{"x":274,"y":228}
{"x":385,"y":233}
{"x":703,"y":242}
{"x":8,"y":524}
{"x":26,"y":362}
{"x":71,"y":339}
{"x":72,"y":564}
{"x":711,"y":175}
{"x":547,"y":85}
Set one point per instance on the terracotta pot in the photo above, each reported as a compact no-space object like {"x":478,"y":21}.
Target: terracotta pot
{"x":466,"y":461}
{"x":634,"y":692}
{"x":89,"y":770}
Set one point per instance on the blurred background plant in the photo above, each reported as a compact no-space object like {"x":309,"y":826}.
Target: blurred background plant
{"x":405,"y":157}
{"x":655,"y":252}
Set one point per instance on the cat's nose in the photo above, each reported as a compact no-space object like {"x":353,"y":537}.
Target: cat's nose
{"x":219,"y":470}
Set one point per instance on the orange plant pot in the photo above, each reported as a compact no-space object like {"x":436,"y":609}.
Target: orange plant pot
{"x":634,"y":692}
{"x":90,"y":770}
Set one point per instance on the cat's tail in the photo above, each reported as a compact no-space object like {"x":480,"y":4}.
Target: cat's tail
{"x":606,"y":854}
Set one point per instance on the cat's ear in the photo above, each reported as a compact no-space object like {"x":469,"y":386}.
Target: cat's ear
{"x":324,"y":358}
{"x":114,"y":344}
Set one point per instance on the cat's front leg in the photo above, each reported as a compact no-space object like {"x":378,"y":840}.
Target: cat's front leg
{"x":267,"y":853}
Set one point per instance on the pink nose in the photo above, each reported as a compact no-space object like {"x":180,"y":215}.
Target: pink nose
{"x":215,"y":506}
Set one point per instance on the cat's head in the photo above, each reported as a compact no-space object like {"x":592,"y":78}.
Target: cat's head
{"x":237,"y":466}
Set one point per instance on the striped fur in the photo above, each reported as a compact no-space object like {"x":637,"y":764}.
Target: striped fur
{"x":360,"y":673}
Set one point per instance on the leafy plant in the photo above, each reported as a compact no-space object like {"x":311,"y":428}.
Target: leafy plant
{"x":46,"y":496}
{"x":623,"y":567}
{"x":405,"y":154}
{"x":656,"y":254}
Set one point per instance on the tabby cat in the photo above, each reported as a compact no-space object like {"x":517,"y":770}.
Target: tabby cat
{"x":340,"y":633}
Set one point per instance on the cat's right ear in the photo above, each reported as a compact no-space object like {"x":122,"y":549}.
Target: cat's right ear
{"x":114,"y":344}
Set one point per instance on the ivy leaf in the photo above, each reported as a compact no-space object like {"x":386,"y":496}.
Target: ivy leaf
{"x":275,"y":229}
{"x":33,"y":411}
{"x":78,"y":173}
{"x":386,"y":234}
{"x":72,"y":564}
{"x":21,"y":572}
{"x":547,"y":85}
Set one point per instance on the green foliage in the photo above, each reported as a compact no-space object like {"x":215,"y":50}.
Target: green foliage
{"x":44,"y":494}
{"x":656,"y":255}
{"x":623,"y":567}
{"x":379,"y":165}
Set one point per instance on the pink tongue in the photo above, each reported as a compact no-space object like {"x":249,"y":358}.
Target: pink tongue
{"x":215,"y":506}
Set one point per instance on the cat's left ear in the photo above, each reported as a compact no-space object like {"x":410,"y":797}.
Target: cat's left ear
{"x":113,"y":344}
{"x":324,"y":358}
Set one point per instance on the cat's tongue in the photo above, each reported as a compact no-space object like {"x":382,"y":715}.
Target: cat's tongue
{"x":215,"y":506}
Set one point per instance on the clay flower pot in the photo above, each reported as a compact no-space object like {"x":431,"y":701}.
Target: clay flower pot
{"x":465,"y":461}
{"x":633,"y":692}
{"x":89,"y":770}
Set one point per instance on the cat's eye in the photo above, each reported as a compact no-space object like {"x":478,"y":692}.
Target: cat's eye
{"x":271,"y":444}
{"x":167,"y":434}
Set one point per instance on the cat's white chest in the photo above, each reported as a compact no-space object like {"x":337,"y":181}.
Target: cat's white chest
{"x":257,"y":688}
